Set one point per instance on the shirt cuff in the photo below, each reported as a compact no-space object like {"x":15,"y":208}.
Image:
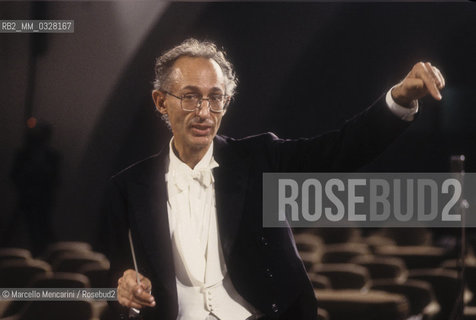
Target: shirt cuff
{"x":406,"y":114}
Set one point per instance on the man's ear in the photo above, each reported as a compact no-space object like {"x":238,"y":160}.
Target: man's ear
{"x":159,"y":98}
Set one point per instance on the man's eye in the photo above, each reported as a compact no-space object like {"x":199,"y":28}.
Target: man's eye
{"x":216,"y":98}
{"x":190,"y":97}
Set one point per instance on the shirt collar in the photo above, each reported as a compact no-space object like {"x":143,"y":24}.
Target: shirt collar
{"x":207,"y":162}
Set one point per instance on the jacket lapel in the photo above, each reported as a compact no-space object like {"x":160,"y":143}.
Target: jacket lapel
{"x":231,"y":178}
{"x":150,"y":221}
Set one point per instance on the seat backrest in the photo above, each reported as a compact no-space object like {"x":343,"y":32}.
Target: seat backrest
{"x":61,"y":280}
{"x":358,"y":305}
{"x":343,"y":275}
{"x":415,"y":257}
{"x":418,"y":293}
{"x":382,"y":267}
{"x":14,"y":253}
{"x":96,"y":273}
{"x":19,"y":273}
{"x":319,"y":281}
{"x":58,"y":248}
{"x":73,"y":261}
{"x":343,"y":252}
{"x":409,"y":236}
{"x":445,"y":283}
{"x":308,"y":242}
{"x":337,"y":235}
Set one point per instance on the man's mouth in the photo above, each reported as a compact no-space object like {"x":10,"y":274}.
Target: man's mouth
{"x":201,"y":130}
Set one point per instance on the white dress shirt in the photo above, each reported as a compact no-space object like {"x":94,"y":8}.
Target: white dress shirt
{"x":203,"y":285}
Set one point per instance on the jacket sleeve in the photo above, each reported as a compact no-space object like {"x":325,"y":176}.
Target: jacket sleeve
{"x":360,"y":140}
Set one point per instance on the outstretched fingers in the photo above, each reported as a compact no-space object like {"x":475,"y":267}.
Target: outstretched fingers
{"x":426,"y":73}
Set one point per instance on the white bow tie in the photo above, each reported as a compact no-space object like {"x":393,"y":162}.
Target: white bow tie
{"x":183,"y":179}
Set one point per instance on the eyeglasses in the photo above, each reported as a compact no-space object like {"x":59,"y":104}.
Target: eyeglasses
{"x":190,"y":102}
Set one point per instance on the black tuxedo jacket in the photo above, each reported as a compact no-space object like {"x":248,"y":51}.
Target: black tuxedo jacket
{"x":263,"y":263}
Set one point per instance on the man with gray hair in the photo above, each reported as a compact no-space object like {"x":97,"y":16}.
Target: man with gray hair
{"x":193,"y":48}
{"x":194,"y":210}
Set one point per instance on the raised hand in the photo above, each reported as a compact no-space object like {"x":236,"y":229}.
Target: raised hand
{"x":422,"y":80}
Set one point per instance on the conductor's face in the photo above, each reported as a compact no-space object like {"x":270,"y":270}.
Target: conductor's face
{"x":197,"y":77}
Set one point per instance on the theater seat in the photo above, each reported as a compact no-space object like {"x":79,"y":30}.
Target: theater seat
{"x":96,"y":273}
{"x":58,"y":248}
{"x":319,"y":281}
{"x":343,"y":275}
{"x":310,"y":259}
{"x":337,"y":235}
{"x":307,"y":242}
{"x":73,"y":261}
{"x":322,"y":314}
{"x":415,"y":257}
{"x":375,"y":240}
{"x":382,"y":267}
{"x":356,"y":305}
{"x":445,"y":285}
{"x":469,"y":313}
{"x":61,"y":280}
{"x":14,"y":253}
{"x":19,"y":273}
{"x":343,"y":252}
{"x":470,"y":274}
{"x":408,"y":236}
{"x":419,"y":294}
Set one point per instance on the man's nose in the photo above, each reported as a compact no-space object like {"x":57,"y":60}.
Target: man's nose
{"x":203,"y":109}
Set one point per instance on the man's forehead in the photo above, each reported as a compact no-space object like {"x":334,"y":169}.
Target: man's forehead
{"x":198,"y":72}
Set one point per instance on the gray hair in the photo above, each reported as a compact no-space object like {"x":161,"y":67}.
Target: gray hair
{"x":194,"y":48}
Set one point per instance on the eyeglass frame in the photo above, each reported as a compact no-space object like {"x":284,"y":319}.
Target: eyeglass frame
{"x":200,"y":101}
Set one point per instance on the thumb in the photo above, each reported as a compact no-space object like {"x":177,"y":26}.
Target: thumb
{"x":145,"y":284}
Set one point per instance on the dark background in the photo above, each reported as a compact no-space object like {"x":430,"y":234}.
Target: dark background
{"x":303,"y":69}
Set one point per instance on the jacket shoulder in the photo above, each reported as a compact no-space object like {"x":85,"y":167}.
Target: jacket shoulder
{"x":249,"y":141}
{"x":142,"y":168}
{"x":258,"y":149}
